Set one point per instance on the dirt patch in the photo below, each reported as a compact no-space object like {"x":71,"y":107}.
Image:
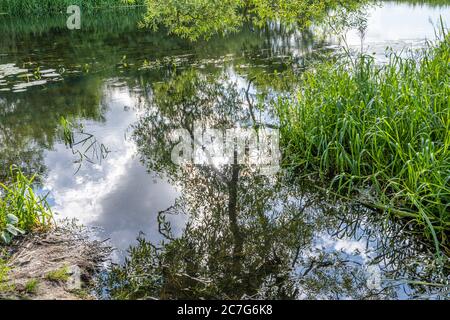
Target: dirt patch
{"x":58,"y":265}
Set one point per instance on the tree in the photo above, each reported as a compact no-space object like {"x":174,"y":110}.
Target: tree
{"x":194,"y":19}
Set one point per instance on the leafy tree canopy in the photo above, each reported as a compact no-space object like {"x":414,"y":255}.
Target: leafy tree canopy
{"x":194,"y":19}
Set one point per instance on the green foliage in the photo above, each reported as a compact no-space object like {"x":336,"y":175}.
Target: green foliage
{"x":381,"y":133}
{"x":437,"y":3}
{"x":67,"y":131}
{"x":10,"y":229}
{"x":51,"y":7}
{"x":59,"y":275}
{"x":20,"y":208}
{"x":83,"y":145}
{"x":4,"y":270}
{"x":31,"y":286}
{"x":194,"y":19}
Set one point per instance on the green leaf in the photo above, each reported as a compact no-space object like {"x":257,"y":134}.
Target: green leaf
{"x":13,"y":230}
{"x":10,"y":228}
{"x":5,"y":237}
{"x":12,"y":219}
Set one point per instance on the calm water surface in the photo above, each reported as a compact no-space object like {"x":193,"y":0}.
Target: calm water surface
{"x":129,"y":88}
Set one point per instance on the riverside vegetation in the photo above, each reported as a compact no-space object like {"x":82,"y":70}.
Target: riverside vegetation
{"x":25,"y":8}
{"x":378,"y":133}
{"x":21,"y":209}
{"x":193,"y":19}
{"x":373,"y":134}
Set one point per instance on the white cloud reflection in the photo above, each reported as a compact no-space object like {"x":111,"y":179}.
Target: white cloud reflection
{"x":117,"y":195}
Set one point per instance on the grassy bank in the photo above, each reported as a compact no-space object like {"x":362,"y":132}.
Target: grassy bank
{"x":21,"y":210}
{"x":48,"y":262}
{"x":50,"y":7}
{"x":104,"y":21}
{"x":380,"y":133}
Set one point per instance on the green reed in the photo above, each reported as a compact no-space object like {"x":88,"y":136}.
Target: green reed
{"x":378,"y":133}
{"x":21,"y":209}
{"x":47,"y":7}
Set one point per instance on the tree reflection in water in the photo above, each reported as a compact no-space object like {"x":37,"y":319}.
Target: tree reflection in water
{"x":249,"y":235}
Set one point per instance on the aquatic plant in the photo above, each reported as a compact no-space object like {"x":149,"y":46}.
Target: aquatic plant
{"x":21,"y":209}
{"x":380,"y":134}
{"x":83,"y":145}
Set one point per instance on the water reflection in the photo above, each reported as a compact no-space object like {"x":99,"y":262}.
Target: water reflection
{"x":29,"y":125}
{"x":401,"y":25}
{"x":253,"y":236}
{"x":100,"y":195}
{"x":226,"y":233}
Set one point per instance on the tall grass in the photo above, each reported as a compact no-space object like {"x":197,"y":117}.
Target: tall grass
{"x":378,"y":133}
{"x":21,"y":209}
{"x":112,"y":21}
{"x":4,"y":270}
{"x":48,"y":7}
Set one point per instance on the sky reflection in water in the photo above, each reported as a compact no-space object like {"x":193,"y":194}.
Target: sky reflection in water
{"x":124,"y":193}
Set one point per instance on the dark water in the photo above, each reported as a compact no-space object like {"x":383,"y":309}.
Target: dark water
{"x":130,"y":88}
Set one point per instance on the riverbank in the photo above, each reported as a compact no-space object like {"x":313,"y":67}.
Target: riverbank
{"x":40,"y":259}
{"x":59,"y":264}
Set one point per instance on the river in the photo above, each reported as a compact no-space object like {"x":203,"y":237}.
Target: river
{"x":128,"y":88}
